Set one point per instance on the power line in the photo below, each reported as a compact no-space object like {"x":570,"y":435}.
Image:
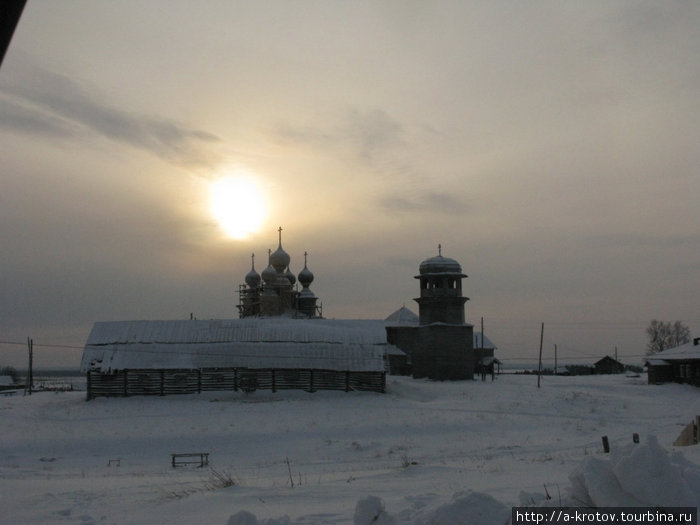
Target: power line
{"x":44,"y":345}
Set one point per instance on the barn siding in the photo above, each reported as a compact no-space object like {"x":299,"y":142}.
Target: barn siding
{"x":182,"y":381}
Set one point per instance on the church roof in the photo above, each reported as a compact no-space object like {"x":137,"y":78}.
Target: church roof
{"x":402,"y":317}
{"x":348,"y":345}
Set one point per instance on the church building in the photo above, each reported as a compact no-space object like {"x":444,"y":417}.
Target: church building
{"x":441,"y":344}
{"x":272,"y":294}
{"x":281,"y":341}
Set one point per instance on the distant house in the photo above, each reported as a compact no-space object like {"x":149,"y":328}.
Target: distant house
{"x":6,"y":382}
{"x":484,"y":349}
{"x":608,"y":365}
{"x":126,"y":358}
{"x":680,"y":364}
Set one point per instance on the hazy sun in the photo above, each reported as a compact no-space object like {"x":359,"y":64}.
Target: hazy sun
{"x":238,"y":206}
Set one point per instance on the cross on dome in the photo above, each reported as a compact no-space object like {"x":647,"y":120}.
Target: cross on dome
{"x":280,"y":259}
{"x":252,"y":278}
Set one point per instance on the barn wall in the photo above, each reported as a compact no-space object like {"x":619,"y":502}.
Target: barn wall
{"x":171,"y":381}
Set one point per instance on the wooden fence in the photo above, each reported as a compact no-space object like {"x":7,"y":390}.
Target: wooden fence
{"x":144,"y":382}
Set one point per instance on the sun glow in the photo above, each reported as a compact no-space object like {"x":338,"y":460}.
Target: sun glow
{"x":238,"y":206}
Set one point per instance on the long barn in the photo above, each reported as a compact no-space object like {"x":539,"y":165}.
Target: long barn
{"x":127,"y":358}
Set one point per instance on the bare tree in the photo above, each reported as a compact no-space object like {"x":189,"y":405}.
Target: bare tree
{"x":680,"y":334}
{"x":663,"y":335}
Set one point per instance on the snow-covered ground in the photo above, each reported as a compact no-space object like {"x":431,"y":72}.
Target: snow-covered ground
{"x":426,"y":452}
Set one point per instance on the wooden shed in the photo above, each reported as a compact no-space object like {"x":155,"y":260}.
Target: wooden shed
{"x":608,"y":365}
{"x":170,"y":357}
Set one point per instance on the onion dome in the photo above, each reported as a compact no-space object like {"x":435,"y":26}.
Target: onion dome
{"x":280,"y":259}
{"x":252,"y":278}
{"x":305,"y":276}
{"x":290,"y":276}
{"x":440,"y":264}
{"x":269,"y":274}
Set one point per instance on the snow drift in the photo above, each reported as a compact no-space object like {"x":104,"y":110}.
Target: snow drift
{"x":643,"y":475}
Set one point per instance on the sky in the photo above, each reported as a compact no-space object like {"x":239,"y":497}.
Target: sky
{"x":549,"y":147}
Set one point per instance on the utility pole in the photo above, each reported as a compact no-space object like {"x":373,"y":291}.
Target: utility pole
{"x":30,"y":374}
{"x":615,"y":352}
{"x":481,"y":365}
{"x":539,"y":367}
{"x":555,"y":359}
{"x":482,"y":333}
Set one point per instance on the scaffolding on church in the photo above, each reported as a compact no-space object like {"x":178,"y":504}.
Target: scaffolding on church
{"x":249,"y":304}
{"x":274,"y":293}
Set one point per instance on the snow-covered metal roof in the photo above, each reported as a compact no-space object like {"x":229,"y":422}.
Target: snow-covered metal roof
{"x":239,"y":330}
{"x":683,"y":352}
{"x":353,"y":345}
{"x":487,"y":342}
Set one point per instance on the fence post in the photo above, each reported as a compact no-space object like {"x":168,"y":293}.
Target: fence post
{"x":89,"y":386}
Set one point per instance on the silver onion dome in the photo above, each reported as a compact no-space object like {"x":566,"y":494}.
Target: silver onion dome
{"x":252,"y":278}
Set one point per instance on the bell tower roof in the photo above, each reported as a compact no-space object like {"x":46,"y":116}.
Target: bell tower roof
{"x":439,"y":265}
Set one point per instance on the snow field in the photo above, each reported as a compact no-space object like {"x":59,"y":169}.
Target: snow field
{"x":422,"y":449}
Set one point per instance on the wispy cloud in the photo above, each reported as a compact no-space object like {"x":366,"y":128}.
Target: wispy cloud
{"x":367,"y":134}
{"x":432,"y":202}
{"x":20,"y":118}
{"x":38,"y":101}
{"x":373,"y":131}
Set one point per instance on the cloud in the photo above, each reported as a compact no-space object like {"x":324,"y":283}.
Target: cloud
{"x":374,"y":131}
{"x":23,"y":119}
{"x":368,"y":134}
{"x":432,"y":202}
{"x":46,"y":103}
